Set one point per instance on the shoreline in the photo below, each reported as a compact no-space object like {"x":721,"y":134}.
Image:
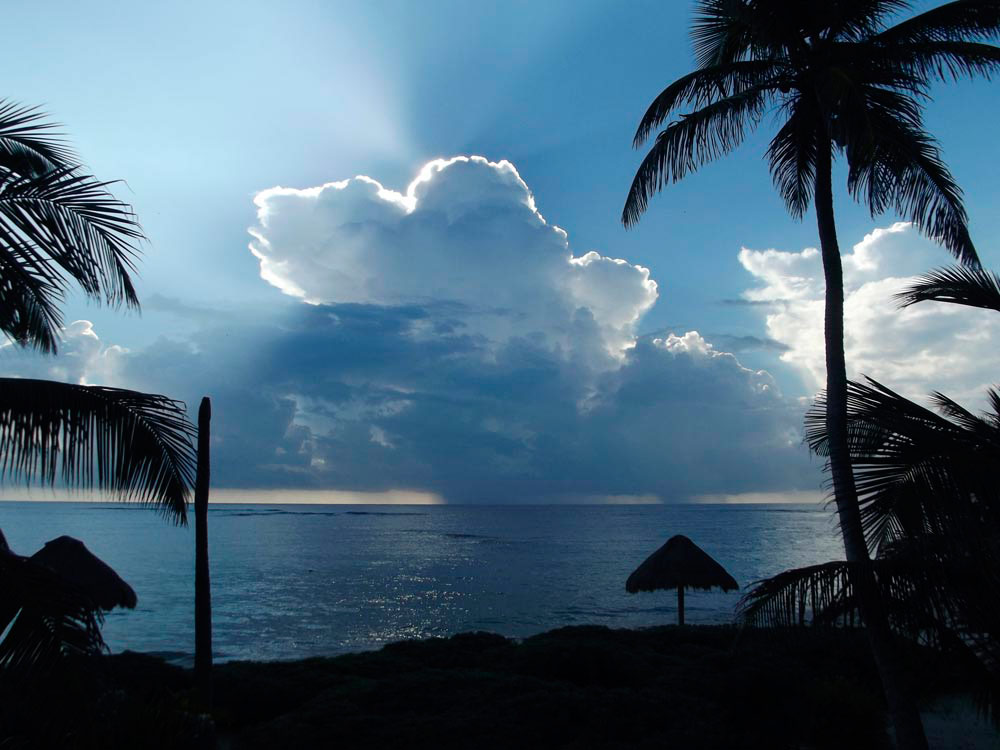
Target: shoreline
{"x":578,"y":686}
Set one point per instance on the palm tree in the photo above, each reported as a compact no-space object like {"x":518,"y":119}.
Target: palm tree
{"x":61,"y":226}
{"x":930,"y":511}
{"x":844,"y":83}
{"x":929,"y":506}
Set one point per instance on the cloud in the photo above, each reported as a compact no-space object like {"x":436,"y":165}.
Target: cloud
{"x":916,"y":350}
{"x":82,"y":358}
{"x":736,"y":344}
{"x":448,"y":341}
{"x":186,"y":310}
{"x":467,"y":233}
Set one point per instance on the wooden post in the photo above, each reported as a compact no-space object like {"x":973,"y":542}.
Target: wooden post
{"x":202,"y":589}
{"x":680,"y":605}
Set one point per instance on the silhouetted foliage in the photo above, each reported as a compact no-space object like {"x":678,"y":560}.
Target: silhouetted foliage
{"x":842,"y":82}
{"x":44,"y":616}
{"x":135,"y":445}
{"x":837,"y":77}
{"x":53,"y":603}
{"x":930,"y":508}
{"x":57,"y":224}
{"x":61,"y":226}
{"x":974,"y":287}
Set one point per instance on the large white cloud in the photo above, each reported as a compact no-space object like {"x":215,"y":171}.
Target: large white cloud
{"x":447,"y":340}
{"x":500,"y":364}
{"x":466,"y":232}
{"x":923,"y":348}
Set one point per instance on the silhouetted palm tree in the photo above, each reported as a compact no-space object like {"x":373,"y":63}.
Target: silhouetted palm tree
{"x":844,"y":83}
{"x":61,"y":226}
{"x":929,"y":505}
{"x":930,"y":511}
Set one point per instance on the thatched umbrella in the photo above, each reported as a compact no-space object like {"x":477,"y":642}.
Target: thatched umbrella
{"x":78,"y":566}
{"x":679,"y":564}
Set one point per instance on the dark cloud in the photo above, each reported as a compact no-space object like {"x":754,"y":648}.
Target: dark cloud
{"x":449,"y":341}
{"x":364,"y":397}
{"x":736,"y":344}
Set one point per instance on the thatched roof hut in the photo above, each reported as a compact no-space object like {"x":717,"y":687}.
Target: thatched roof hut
{"x":680,"y":564}
{"x":77,"y":565}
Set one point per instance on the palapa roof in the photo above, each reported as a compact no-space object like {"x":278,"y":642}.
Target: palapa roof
{"x":679,"y":562}
{"x":72,"y":561}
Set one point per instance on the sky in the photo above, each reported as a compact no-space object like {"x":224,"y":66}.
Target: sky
{"x":385,"y":238}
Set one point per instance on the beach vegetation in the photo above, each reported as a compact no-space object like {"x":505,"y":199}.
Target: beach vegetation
{"x":60,"y":228}
{"x":845,"y":80}
{"x":930,"y":511}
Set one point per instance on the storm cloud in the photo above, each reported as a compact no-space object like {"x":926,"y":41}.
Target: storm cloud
{"x":447,"y":339}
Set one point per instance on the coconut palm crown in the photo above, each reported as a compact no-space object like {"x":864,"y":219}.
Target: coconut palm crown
{"x":842,"y":82}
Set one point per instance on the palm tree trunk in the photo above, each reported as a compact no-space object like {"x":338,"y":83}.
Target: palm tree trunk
{"x":902,"y":708}
{"x":202,"y":588}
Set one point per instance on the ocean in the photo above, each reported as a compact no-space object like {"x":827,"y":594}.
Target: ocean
{"x":291,"y":581}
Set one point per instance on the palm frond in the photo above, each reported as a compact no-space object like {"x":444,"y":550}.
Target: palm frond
{"x":954,"y":21}
{"x":695,"y":139}
{"x":136,"y":446}
{"x":872,"y":410}
{"x":85,"y":230}
{"x":916,"y":471}
{"x":43,"y":616}
{"x":30,"y":293}
{"x":960,"y":285}
{"x":954,"y":579}
{"x":993,"y":416}
{"x":802,"y":596}
{"x":859,"y":19}
{"x":925,"y":598}
{"x":902,"y":164}
{"x":722,"y":31}
{"x":792,"y":155}
{"x":980,"y":429}
{"x":945,"y":60}
{"x":28,"y":144}
{"x":706,"y":85}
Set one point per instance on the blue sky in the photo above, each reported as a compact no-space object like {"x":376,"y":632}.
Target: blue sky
{"x":201,"y":106}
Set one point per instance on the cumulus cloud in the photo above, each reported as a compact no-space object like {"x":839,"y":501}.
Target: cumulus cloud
{"x":447,"y":340}
{"x":82,"y":359}
{"x":737,"y":344}
{"x":466,"y":233}
{"x":369,"y":403}
{"x":916,"y":350}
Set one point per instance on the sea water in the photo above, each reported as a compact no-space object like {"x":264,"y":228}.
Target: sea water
{"x":291,"y":581}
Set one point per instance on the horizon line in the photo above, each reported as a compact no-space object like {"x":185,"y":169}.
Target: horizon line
{"x":235,"y":496}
